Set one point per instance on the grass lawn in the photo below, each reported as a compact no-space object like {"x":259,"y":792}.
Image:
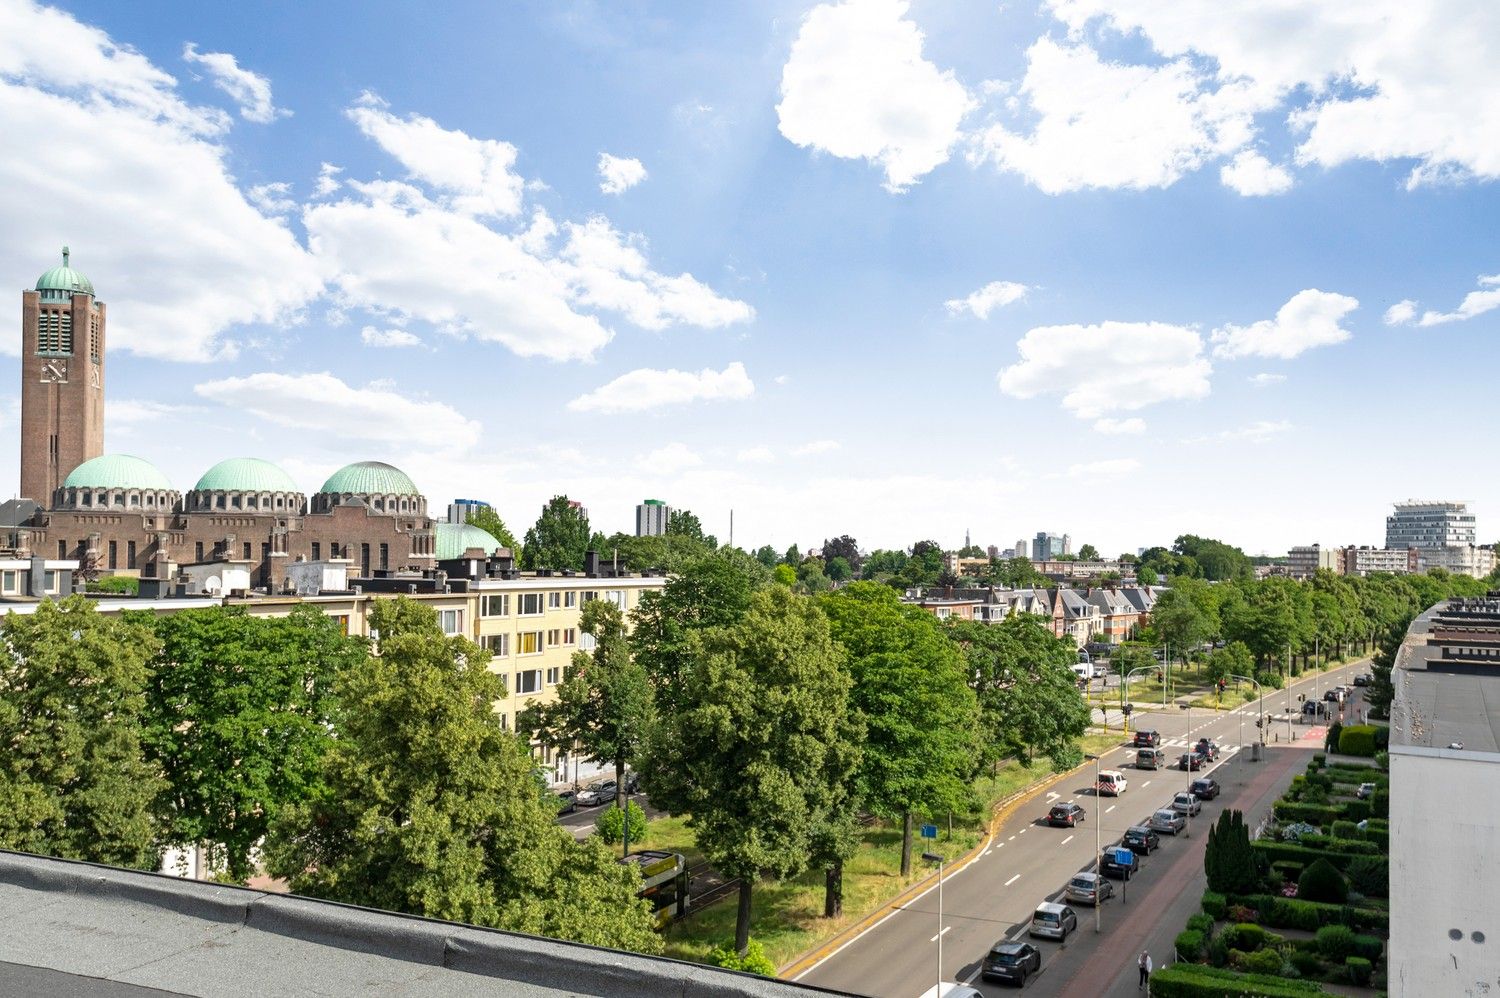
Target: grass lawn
{"x":787,"y":916}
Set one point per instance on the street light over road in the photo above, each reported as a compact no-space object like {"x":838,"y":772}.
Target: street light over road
{"x":933,"y":857}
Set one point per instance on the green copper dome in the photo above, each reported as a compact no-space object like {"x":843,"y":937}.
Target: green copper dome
{"x":370,"y":478}
{"x":64,"y":279}
{"x":453,"y":539}
{"x":245,"y":474}
{"x":117,"y":471}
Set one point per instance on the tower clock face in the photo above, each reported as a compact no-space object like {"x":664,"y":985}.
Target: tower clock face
{"x":55,"y":372}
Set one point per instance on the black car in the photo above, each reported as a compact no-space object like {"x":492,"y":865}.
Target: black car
{"x":1209,"y":748}
{"x":1111,"y":867}
{"x":567,"y":801}
{"x":1191,"y":760}
{"x":1147,"y":739}
{"x":1362,"y":680}
{"x":632,"y":783}
{"x":1205,"y":788}
{"x":1065,"y":815}
{"x":1315,"y":708}
{"x":1011,"y":962}
{"x":1141,"y":840}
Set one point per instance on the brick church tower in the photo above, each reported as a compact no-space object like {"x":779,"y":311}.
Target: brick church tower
{"x":62,"y":379}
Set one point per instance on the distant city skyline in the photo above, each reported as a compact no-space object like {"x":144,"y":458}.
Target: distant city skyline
{"x":887,"y":269}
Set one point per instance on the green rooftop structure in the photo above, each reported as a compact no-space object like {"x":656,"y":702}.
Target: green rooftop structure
{"x":245,"y":474}
{"x":453,"y":539}
{"x":63,"y":282}
{"x":117,"y":471}
{"x":369,"y":478}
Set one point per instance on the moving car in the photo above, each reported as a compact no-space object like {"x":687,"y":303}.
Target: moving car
{"x":1315,"y":708}
{"x":1065,"y":815}
{"x":597,"y":793}
{"x":1149,"y":758}
{"x":1334,"y":696}
{"x":1191,"y":760}
{"x":1186,"y":803}
{"x":1146,"y":738}
{"x":1168,"y":820}
{"x":1089,"y":888}
{"x":1209,"y":748}
{"x":1141,"y":840}
{"x":1053,"y":921}
{"x":1363,"y":679}
{"x":1008,"y":961}
{"x":1111,"y":783}
{"x":1205,"y":788}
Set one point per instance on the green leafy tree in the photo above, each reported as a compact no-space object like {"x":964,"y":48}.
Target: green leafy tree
{"x":430,"y":807}
{"x":486,"y":519}
{"x":882,"y":565}
{"x":238,"y":716}
{"x":792,"y":557}
{"x":785,"y":575}
{"x":685,"y":523}
{"x":1228,"y":859}
{"x":668,"y":552}
{"x":74,"y":780}
{"x":922,"y":719}
{"x":810,"y":576}
{"x":761,"y":748}
{"x":844,"y":547}
{"x":559,"y":539}
{"x":603,"y":706}
{"x":1088,"y":553}
{"x":1018,"y":573}
{"x":610,"y":824}
{"x":839,"y":570}
{"x":767,"y":556}
{"x":1234,"y":659}
{"x":1146,"y":576}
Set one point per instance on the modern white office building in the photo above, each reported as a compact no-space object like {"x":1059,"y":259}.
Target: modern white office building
{"x":651,"y":516}
{"x":1420,"y":523}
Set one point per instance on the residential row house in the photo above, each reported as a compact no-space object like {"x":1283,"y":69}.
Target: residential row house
{"x":1088,"y":616}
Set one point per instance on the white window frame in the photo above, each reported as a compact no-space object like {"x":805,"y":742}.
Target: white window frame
{"x":541,"y":644}
{"x":457,"y":618}
{"x":554,"y":601}
{"x":570,"y":599}
{"x":536,"y":688}
{"x":535,"y":599}
{"x":498,"y":645}
{"x":554,"y":675}
{"x":490,"y":601}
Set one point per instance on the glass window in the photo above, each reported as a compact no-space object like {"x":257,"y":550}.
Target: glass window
{"x":9,"y":583}
{"x":570,"y":600}
{"x":554,"y":601}
{"x":496,"y":605}
{"x":50,"y":583}
{"x":497,"y":644}
{"x":529,"y":604}
{"x":616,"y":596}
{"x":587,"y":642}
{"x":554,"y":676}
{"x":587,"y":595}
{"x":570,"y":636}
{"x":529,"y":681}
{"x":529,"y":643}
{"x":554,"y":637}
{"x":452,"y":621}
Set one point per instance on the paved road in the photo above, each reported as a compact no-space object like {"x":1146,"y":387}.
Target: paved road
{"x":1028,"y":862}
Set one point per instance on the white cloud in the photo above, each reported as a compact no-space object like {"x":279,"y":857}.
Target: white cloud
{"x":857,"y":86}
{"x":251,"y":91}
{"x":618,"y":173}
{"x":373,"y":337}
{"x":373,"y":414}
{"x":272,"y":198}
{"x":1257,"y":432}
{"x":476,"y":176}
{"x":328,"y":180}
{"x":669,"y":460}
{"x":1109,"y":367}
{"x":646,"y":388}
{"x":1309,"y":319}
{"x":756,"y":455}
{"x":1110,"y":468}
{"x":1474,"y":303}
{"x":781,"y":379}
{"x":1120,"y":427}
{"x":815,"y":447}
{"x":1252,"y":175}
{"x":133,"y":412}
{"x":1401,"y":313}
{"x":1265,"y":379}
{"x":988,"y":298}
{"x":1094,"y":123}
{"x":159,"y":166}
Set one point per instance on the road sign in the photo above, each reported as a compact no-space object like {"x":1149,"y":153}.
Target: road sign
{"x":929,"y":831}
{"x":1125,"y":857}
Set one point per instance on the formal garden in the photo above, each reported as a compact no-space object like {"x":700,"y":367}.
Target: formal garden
{"x":1304,"y":903}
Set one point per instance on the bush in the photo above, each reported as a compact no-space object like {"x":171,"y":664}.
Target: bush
{"x":1343,"y":829}
{"x":1286,"y":869}
{"x":1266,"y":961}
{"x":1331,"y":739}
{"x":1307,"y":964}
{"x":1290,"y":913}
{"x":1336,"y":942}
{"x":1370,"y":875}
{"x":1189,"y":945}
{"x":1378,"y":831}
{"x":1357,"y":739}
{"x":1189,"y":980}
{"x":1380,"y":804}
{"x":116,"y":584}
{"x":1327,"y":843}
{"x":1369,"y":947}
{"x":1322,"y":882}
{"x":1248,"y":936}
{"x":1214,"y":905}
{"x":609,"y":823}
{"x":1383,"y":760}
{"x":1359,"y":970}
{"x":1319,"y":760}
{"x":1218,"y":951}
{"x":1201,"y":923}
{"x":1271,"y":679}
{"x":754,"y":961}
{"x":1273,"y":851}
{"x":1315,"y":814}
{"x":1354,"y":811}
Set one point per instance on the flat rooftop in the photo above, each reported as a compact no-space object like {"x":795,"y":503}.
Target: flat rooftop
{"x":79,"y":929}
{"x":1443,"y":703}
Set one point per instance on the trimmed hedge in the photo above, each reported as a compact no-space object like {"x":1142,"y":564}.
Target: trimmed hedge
{"x":1355,"y":810}
{"x":1215,"y":905}
{"x":1336,"y":942}
{"x":1201,"y":923}
{"x":1189,"y":945}
{"x":1343,"y":829}
{"x":1321,"y":881}
{"x":1358,"y":739}
{"x":1369,"y":947}
{"x":1191,"y":980}
{"x":1378,"y":831}
{"x":1305,"y":854}
{"x":1359,"y":970}
{"x":1370,"y":875}
{"x":1291,"y":913}
{"x":1265,"y":961}
{"x":1380,"y":804}
{"x":1313,"y":814}
{"x":1354,"y":847}
{"x":1307,"y":964}
{"x":1249,"y":937}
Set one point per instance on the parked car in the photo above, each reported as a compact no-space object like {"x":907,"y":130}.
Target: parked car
{"x":1141,"y":840}
{"x":1053,"y":921}
{"x":567,"y":801}
{"x":1008,"y":961}
{"x":1191,"y":760}
{"x":1111,"y":783}
{"x":597,"y":793}
{"x":1315,"y":708}
{"x":1089,"y":888}
{"x":1168,"y":821}
{"x":1149,"y":758}
{"x":1209,"y":748}
{"x":1065,"y":815}
{"x":1110,"y":867}
{"x":1205,"y":788}
{"x":1365,"y":791}
{"x":1146,"y":738}
{"x":1186,"y":803}
{"x":1363,"y":680}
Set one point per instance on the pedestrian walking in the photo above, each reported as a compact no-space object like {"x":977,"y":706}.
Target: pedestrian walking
{"x":1145,"y":964}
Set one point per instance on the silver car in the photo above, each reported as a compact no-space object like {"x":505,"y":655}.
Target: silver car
{"x":1168,"y":821}
{"x":1053,"y":921}
{"x":1089,"y":888}
{"x":1186,"y":803}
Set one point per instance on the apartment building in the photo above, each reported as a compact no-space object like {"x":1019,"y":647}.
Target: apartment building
{"x":1304,"y":561}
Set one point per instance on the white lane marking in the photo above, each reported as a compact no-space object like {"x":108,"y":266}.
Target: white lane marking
{"x":1066,"y":841}
{"x":1109,"y":809}
{"x":1145,"y":785}
{"x":1023,"y":831}
{"x":1016,"y":933}
{"x":1053,"y":796}
{"x":988,"y":851}
{"x":940,"y":934}
{"x":1012,"y":880}
{"x":1012,"y":837}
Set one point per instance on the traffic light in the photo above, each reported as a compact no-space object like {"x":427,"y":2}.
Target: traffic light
{"x":1257,"y":722}
{"x":1128,"y":709}
{"x":1221,"y":685}
{"x":1301,"y":697}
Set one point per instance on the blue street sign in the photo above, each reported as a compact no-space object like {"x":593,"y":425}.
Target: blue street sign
{"x":1124,"y":857}
{"x":929,"y":831}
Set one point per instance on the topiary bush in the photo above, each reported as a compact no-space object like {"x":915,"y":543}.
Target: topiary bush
{"x":754,"y":961}
{"x":1249,"y":937}
{"x":609,"y":824}
{"x":1319,"y":760}
{"x":1336,"y":942}
{"x":1214,"y":905}
{"x":1322,"y":881}
{"x":1266,"y":961}
{"x":1357,"y":739}
{"x":1189,"y":945}
{"x":1359,"y":970}
{"x":1380,"y":804}
{"x":1370,"y":875}
{"x":1369,"y":947}
{"x":1218,"y":951}
{"x":1201,"y":923}
{"x":1354,"y":811}
{"x":1307,"y":964}
{"x":1344,"y":829}
{"x":1291,"y":913}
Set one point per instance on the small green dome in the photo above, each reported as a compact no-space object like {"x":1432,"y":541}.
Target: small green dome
{"x":64,"y":279}
{"x":117,"y":471}
{"x":453,"y":539}
{"x":245,"y":474}
{"x":370,"y":478}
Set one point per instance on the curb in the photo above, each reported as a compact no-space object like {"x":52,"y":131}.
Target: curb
{"x":1003,"y":810}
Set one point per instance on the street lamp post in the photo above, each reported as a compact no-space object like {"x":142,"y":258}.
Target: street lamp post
{"x":1125,"y":681}
{"x":1098,"y":846}
{"x":1262,"y":691}
{"x":933,"y":857}
{"x":1188,"y":824}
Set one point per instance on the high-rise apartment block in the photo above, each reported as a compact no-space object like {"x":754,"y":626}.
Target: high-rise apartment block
{"x":1419,"y":524}
{"x":651,"y":516}
{"x":463,"y":510}
{"x":1048,"y":547}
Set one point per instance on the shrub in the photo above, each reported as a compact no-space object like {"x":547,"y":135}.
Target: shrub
{"x":116,"y":584}
{"x":609,"y":823}
{"x":1316,"y":814}
{"x":1357,"y":739}
{"x":1289,"y":913}
{"x":1214,"y":905}
{"x":1343,"y":829}
{"x":1201,"y":923}
{"x":1218,"y":951}
{"x":1190,"y":980}
{"x":1352,"y":847}
{"x":1378,"y":831}
{"x":1228,"y":860}
{"x":754,"y":961}
{"x":1189,"y":945}
{"x":1354,"y":811}
{"x":1273,"y":851}
{"x":1322,"y":882}
{"x":1380,"y":803}
{"x":1359,"y":970}
{"x":1335,"y":942}
{"x":1320,"y":780}
{"x":1307,"y":964}
{"x":1286,"y":869}
{"x":1370,"y":875}
{"x":1369,"y":947}
{"x":1331,"y":739}
{"x":1319,"y":760}
{"x":1248,"y":936}
{"x":1266,"y":961}
{"x":1383,"y":760}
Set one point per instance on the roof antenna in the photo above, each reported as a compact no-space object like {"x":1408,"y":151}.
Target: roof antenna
{"x":65,"y":256}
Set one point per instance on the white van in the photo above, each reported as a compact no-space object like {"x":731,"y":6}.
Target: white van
{"x":1111,"y":783}
{"x":1083,"y":671}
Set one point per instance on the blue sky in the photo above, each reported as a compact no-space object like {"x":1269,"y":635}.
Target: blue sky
{"x":888,"y":269}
